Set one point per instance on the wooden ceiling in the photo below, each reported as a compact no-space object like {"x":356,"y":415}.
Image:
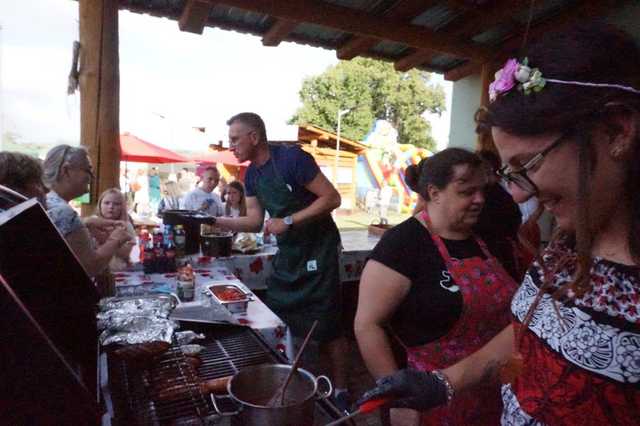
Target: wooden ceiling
{"x":454,"y":37}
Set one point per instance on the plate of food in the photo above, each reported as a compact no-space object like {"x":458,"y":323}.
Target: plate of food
{"x":245,"y":243}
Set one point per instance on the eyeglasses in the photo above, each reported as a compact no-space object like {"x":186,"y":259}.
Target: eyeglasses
{"x":87,"y":170}
{"x":236,"y":139}
{"x":519,"y":177}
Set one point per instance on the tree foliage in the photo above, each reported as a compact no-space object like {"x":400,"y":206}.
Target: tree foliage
{"x":371,"y":90}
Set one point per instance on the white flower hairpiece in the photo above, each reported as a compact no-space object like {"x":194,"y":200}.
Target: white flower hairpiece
{"x":528,"y":80}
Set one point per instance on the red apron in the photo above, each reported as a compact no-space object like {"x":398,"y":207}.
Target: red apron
{"x":486,"y":290}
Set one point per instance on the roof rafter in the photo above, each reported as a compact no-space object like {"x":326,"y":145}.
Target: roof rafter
{"x":194,"y":16}
{"x":414,"y":59}
{"x":496,"y":13}
{"x":278,"y":32}
{"x":588,"y":9}
{"x":353,"y":21}
{"x":405,"y":10}
{"x":499,"y":12}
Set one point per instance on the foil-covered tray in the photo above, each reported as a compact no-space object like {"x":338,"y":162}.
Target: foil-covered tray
{"x":211,"y":313}
{"x":136,"y":327}
{"x":137,"y":330}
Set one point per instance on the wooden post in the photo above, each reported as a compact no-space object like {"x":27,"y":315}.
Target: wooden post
{"x":100,"y":92}
{"x":485,"y":141}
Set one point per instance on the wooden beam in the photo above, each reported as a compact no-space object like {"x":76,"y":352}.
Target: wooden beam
{"x":361,"y":23}
{"x":585,"y":11}
{"x":414,"y":59}
{"x":482,"y":20}
{"x":404,"y":10}
{"x":100,"y":92}
{"x":484,"y":140}
{"x":498,"y":12}
{"x":355,"y":46}
{"x":278,"y":32}
{"x":462,"y":71}
{"x":194,"y":16}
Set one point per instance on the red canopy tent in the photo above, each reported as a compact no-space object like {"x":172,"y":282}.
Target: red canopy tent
{"x":223,"y":157}
{"x":137,"y":150}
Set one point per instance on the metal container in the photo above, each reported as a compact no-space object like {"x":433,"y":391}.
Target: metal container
{"x":253,"y":387}
{"x":191,"y":221}
{"x":234,"y":306}
{"x":216,"y":244}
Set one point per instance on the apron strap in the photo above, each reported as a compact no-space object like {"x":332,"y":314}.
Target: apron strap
{"x":442,"y":248}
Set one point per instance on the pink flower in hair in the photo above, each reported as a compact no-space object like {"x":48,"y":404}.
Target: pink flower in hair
{"x":505,"y":79}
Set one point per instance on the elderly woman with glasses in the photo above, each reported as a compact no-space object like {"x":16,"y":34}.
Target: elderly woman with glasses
{"x":68,"y":173}
{"x":565,"y":119}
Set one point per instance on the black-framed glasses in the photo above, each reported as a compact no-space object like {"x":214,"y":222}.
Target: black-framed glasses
{"x":520,"y":177}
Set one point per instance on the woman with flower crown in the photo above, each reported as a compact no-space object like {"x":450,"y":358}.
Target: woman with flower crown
{"x":566,"y":122}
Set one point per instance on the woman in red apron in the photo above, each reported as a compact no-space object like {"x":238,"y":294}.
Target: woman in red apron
{"x":438,"y":286}
{"x":486,"y":290}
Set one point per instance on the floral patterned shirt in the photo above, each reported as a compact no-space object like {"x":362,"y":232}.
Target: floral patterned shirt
{"x":582,"y":369}
{"x":62,"y":215}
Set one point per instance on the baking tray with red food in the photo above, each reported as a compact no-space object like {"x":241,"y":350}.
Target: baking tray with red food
{"x":231,"y":296}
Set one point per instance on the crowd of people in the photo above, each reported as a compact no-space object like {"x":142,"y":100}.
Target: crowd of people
{"x":488,"y":331}
{"x":103,"y":241}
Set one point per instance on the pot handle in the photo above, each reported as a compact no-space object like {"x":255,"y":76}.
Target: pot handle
{"x":326,"y":394}
{"x":219,"y":411}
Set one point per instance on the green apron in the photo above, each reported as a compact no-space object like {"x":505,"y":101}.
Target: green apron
{"x":304,"y":285}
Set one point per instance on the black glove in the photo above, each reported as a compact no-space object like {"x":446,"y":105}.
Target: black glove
{"x":409,"y":389}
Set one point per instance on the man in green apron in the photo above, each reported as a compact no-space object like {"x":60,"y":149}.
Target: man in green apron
{"x":304,"y":285}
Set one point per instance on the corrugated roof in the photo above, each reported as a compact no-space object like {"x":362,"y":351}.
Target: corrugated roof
{"x":387,"y":29}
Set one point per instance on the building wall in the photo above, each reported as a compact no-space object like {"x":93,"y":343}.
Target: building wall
{"x":465,"y":103}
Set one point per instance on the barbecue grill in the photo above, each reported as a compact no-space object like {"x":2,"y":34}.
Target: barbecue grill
{"x":134,"y":388}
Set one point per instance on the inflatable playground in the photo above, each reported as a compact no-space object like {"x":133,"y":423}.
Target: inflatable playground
{"x":382,"y":166}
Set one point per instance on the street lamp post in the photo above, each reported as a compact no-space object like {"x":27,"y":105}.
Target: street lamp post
{"x":335,"y":173}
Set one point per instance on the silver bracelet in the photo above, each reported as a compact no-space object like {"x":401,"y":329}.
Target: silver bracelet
{"x":445,"y":381}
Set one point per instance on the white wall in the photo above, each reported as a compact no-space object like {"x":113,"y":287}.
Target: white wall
{"x":465,"y":103}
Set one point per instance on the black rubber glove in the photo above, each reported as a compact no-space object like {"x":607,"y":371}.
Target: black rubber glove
{"x":409,"y":389}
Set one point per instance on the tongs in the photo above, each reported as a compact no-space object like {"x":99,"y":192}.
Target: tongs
{"x":365,"y":408}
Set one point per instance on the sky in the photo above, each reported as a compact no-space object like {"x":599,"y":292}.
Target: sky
{"x":170,"y":81}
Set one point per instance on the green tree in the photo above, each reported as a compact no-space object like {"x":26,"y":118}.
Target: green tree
{"x":372,"y":90}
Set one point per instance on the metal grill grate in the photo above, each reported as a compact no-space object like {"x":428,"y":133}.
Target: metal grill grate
{"x":166,"y":390}
{"x":134,"y":387}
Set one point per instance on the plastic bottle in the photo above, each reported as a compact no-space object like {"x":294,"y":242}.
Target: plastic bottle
{"x":142,"y":242}
{"x":170,"y":253}
{"x":158,"y":251}
{"x":149,"y":257}
{"x":180,"y":240}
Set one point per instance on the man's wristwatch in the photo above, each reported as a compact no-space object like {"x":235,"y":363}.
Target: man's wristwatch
{"x":288,"y":220}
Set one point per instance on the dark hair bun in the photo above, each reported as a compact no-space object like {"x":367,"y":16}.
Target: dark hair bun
{"x":412,"y":176}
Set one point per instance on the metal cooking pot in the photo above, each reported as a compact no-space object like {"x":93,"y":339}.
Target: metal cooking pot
{"x":191,"y":221}
{"x":216,"y":244}
{"x":253,"y":387}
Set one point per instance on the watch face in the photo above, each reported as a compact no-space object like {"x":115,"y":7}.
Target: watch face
{"x":288,"y":220}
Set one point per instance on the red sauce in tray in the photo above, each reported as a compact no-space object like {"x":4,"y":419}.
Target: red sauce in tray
{"x":227,"y":293}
